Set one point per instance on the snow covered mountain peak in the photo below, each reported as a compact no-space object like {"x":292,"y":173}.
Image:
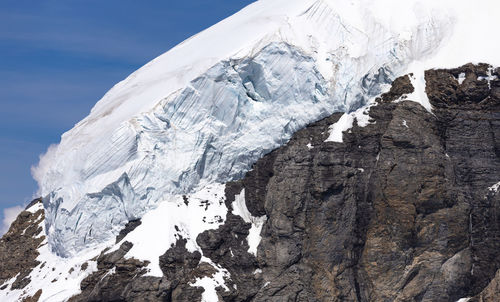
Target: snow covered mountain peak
{"x":203,"y":112}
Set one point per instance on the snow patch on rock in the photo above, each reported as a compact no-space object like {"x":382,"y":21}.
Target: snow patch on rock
{"x":495,"y":187}
{"x":489,"y":77}
{"x":240,"y":209}
{"x":346,"y":122}
{"x":209,"y":284}
{"x":461,"y":78}
{"x":418,"y":81}
{"x":184,"y":216}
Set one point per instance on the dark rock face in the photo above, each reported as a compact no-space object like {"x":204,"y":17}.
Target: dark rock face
{"x":228,"y":246}
{"x":18,"y":247}
{"x":470,"y":123}
{"x":403,"y":210}
{"x":476,"y":92}
{"x":35,"y":297}
{"x":122,"y":279}
{"x":129,"y":227}
{"x":400,"y":211}
{"x":400,"y":87}
{"x":114,"y":278}
{"x":491,"y":292}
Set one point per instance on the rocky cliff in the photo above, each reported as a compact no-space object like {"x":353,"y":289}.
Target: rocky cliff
{"x":406,"y":208}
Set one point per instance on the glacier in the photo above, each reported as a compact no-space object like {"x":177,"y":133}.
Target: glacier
{"x":206,"y":110}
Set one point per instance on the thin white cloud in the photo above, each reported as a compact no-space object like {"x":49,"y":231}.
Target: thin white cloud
{"x":81,"y":38}
{"x":9,"y":215}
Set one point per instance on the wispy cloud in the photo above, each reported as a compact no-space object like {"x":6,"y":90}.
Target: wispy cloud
{"x":68,"y":35}
{"x":111,"y":45}
{"x":9,"y":215}
{"x":53,"y":102}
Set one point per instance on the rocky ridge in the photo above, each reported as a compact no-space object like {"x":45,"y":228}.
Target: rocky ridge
{"x":404,"y":209}
{"x":18,"y":247}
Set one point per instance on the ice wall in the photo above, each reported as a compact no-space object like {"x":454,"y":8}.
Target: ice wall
{"x":157,"y":134}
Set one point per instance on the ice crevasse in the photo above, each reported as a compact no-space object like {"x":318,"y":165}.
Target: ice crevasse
{"x":202,"y":113}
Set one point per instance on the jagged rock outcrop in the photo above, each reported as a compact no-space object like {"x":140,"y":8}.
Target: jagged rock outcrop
{"x":400,"y":211}
{"x":123,"y":279}
{"x":18,"y":247}
{"x":404,"y":209}
{"x":112,"y":279}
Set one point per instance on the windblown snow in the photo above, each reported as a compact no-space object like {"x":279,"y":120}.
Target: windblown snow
{"x":205,"y":111}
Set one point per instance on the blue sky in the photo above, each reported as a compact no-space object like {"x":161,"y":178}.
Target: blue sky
{"x":59,"y":57}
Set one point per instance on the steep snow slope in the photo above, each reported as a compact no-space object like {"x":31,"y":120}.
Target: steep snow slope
{"x":207,"y":109}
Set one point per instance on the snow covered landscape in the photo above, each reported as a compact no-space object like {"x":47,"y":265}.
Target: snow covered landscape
{"x":192,"y":117}
{"x":161,"y":144}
